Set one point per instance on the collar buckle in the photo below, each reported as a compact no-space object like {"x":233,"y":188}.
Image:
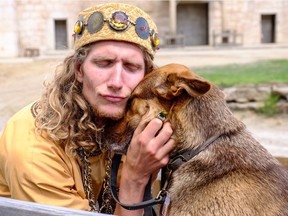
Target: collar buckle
{"x":176,"y":162}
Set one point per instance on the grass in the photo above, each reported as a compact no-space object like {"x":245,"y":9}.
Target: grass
{"x":283,"y":160}
{"x":262,"y":72}
{"x":272,"y":71}
{"x":269,"y":107}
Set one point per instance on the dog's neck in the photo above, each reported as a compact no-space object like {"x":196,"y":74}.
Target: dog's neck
{"x":186,"y":155}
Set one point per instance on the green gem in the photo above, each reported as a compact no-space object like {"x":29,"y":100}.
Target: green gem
{"x":163,"y":114}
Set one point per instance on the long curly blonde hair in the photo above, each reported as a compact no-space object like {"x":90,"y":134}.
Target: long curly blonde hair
{"x":64,"y":116}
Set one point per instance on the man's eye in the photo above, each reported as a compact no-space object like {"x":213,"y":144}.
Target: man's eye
{"x":104,"y":63}
{"x":132,"y":67}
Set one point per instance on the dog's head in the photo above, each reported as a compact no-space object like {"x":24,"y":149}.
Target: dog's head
{"x":168,"y":89}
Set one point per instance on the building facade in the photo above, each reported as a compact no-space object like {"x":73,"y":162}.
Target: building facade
{"x":46,"y":26}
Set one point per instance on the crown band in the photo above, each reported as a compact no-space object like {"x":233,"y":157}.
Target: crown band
{"x":118,"y":21}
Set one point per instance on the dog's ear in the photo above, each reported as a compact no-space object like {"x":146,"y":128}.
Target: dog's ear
{"x":186,"y":81}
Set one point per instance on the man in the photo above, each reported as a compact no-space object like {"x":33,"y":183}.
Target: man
{"x":54,"y":151}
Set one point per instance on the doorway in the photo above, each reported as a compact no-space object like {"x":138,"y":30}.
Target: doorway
{"x":192,"y":22}
{"x":61,"y":35}
{"x":268,"y":28}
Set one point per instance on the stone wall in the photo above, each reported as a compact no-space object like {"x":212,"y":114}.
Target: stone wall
{"x":254,"y":97}
{"x":30,"y":23}
{"x":36,"y":22}
{"x":9,"y":32}
{"x":245,"y":17}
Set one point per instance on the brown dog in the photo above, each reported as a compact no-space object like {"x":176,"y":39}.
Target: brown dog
{"x":231,"y":174}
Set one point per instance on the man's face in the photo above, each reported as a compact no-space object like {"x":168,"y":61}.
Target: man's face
{"x":109,"y":74}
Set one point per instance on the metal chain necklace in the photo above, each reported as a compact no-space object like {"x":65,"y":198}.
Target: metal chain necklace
{"x":106,"y":195}
{"x":87,"y":181}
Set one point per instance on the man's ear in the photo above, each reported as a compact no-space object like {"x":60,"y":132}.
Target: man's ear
{"x":177,"y":83}
{"x":78,"y":71}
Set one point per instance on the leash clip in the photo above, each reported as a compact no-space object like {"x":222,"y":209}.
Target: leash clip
{"x":162,"y":195}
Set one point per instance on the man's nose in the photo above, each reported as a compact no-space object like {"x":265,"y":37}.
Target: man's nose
{"x":115,"y":80}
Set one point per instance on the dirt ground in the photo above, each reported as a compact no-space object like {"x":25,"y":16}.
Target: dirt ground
{"x":21,"y":82}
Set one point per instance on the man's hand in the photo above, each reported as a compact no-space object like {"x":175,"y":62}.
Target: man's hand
{"x":148,"y":152}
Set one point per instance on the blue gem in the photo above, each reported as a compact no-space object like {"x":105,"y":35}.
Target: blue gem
{"x":142,"y":28}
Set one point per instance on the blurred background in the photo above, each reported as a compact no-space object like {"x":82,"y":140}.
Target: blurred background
{"x":37,"y":27}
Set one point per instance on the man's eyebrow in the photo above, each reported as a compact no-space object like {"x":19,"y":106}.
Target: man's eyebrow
{"x":112,"y":58}
{"x":131,"y":61}
{"x":99,"y":58}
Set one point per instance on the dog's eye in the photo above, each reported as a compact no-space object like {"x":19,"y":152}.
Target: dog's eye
{"x":147,"y":107}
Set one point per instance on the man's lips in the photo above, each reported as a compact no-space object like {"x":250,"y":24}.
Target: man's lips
{"x":114,"y":98}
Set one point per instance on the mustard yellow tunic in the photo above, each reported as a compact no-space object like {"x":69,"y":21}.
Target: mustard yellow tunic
{"x":34,"y":169}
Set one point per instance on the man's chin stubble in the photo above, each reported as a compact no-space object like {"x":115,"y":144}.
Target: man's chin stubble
{"x":104,"y":115}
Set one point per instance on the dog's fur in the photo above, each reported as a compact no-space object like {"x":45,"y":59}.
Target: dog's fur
{"x":234,"y":175}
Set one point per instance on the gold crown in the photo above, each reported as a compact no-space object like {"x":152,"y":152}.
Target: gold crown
{"x":116,"y":21}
